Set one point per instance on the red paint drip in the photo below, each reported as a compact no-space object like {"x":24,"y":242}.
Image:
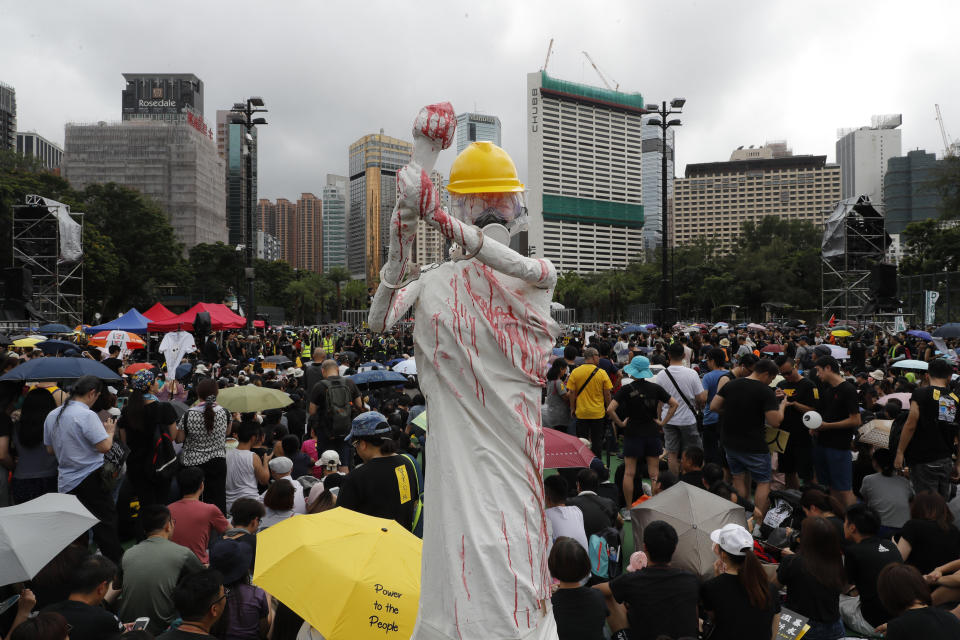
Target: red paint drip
{"x":440,"y":123}
{"x":516,"y":582}
{"x":456,"y":619}
{"x":463,"y":564}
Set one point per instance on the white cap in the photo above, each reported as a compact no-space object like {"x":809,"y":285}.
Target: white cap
{"x":329,"y":459}
{"x":281,"y":464}
{"x":733,"y":539}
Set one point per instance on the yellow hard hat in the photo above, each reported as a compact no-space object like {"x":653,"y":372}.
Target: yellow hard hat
{"x":483,"y":167}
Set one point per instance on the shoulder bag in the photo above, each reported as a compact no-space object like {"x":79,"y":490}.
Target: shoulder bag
{"x":697,"y":414}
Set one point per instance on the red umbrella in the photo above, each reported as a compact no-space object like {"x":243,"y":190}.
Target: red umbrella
{"x":772,"y":348}
{"x":561,"y":450}
{"x":132,"y":369}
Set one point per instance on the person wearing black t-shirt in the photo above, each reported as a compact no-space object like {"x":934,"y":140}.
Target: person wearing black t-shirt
{"x":865,"y":558}
{"x":83,"y":610}
{"x":746,"y":406}
{"x":385,"y":485}
{"x":640,"y":402}
{"x":740,"y":600}
{"x":580,"y":612}
{"x":796,"y":462}
{"x":906,"y":596}
{"x":113,"y":362}
{"x":814,"y":578}
{"x":660,"y":599}
{"x":840,"y":410}
{"x":929,"y":538}
{"x":926,"y":443}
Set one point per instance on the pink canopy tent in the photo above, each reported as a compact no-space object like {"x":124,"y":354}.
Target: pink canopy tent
{"x":221,"y":318}
{"x":158,"y":313}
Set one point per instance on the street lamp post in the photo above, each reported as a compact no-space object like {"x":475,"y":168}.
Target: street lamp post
{"x":663,"y":111}
{"x":243,"y":114}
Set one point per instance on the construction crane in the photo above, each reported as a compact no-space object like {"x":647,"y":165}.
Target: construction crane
{"x":948,"y":147}
{"x":600,"y":73}
{"x":549,"y":51}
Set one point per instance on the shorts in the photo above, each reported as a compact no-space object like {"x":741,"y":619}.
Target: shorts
{"x":834,"y":467}
{"x":932,"y":476}
{"x":678,"y":437}
{"x":642,"y":447}
{"x":758,"y":464}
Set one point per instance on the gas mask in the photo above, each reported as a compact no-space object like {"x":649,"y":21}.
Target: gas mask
{"x":499,"y":215}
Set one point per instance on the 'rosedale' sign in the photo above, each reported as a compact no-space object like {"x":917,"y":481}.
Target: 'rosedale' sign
{"x":148,"y":104}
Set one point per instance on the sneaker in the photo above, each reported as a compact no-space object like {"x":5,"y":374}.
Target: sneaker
{"x":625,"y":514}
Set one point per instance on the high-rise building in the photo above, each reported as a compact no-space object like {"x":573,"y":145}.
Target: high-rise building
{"x":430,"y":245}
{"x":174,"y":163}
{"x":47,"y":153}
{"x":268,"y":248}
{"x":287,"y":230}
{"x":909,"y":191}
{"x":374,"y":162}
{"x":162,"y":96}
{"x":267,"y":217}
{"x":863,"y":154}
{"x":473,"y":127}
{"x":335,"y":222}
{"x":233,"y":146}
{"x":772,"y":149}
{"x":310,"y":233}
{"x":8,"y":117}
{"x":714,"y":199}
{"x":652,"y":176}
{"x":584,"y":191}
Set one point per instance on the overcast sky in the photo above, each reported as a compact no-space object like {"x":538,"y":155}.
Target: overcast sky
{"x":331,"y":72}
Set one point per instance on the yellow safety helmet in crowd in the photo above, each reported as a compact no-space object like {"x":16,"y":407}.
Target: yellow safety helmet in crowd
{"x":483,"y":167}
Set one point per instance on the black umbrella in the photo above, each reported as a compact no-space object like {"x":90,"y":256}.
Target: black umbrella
{"x":280,"y":361}
{"x":949,"y":330}
{"x":5,"y":340}
{"x":52,"y":329}
{"x":56,"y":346}
{"x":46,"y":369}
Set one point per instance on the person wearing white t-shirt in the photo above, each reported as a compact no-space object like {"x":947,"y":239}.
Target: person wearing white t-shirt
{"x":562,"y":520}
{"x":686,"y":388}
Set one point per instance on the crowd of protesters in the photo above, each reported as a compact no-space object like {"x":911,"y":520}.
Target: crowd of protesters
{"x":857,"y":538}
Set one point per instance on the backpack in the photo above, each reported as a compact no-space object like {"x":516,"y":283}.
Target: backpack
{"x":164,"y":463}
{"x":605,"y":554}
{"x":338,"y":412}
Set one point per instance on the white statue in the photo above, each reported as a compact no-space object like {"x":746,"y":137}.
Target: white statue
{"x":483,"y":334}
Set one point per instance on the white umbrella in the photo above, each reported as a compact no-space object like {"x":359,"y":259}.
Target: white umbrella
{"x":408,"y":367}
{"x":838,"y":352}
{"x":32,"y":533}
{"x":694,"y":513}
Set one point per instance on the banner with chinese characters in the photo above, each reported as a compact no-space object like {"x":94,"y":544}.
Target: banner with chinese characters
{"x":792,"y":626}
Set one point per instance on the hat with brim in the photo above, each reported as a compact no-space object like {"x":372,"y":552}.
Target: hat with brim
{"x":639,"y":367}
{"x":877,"y":375}
{"x":724,"y":342}
{"x":368,"y":424}
{"x":732,"y":538}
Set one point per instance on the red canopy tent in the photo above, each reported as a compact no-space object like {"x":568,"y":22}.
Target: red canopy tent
{"x":158,"y":313}
{"x":221,"y":318}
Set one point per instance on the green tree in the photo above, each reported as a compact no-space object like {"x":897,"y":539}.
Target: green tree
{"x":216,"y":270}
{"x":307,"y":295}
{"x":930,"y":246}
{"x":272,"y":278}
{"x":338,"y":275}
{"x":355,"y":294}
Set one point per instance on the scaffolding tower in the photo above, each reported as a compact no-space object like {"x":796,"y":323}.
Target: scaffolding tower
{"x":854,"y":243}
{"x":47,"y":241}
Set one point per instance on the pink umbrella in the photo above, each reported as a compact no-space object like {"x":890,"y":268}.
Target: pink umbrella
{"x":903,"y":397}
{"x":561,"y":450}
{"x":772,"y":348}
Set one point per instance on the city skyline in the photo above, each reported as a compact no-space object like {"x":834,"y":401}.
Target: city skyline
{"x":808,"y":82}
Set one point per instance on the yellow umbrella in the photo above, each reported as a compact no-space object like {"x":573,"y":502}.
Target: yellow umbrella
{"x":841,"y":333}
{"x":351,"y":576}
{"x":28,"y":342}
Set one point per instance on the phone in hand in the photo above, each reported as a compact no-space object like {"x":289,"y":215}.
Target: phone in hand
{"x":140,"y":623}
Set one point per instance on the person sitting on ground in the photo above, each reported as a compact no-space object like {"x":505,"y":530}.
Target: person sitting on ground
{"x":247,"y":514}
{"x":906,"y":596}
{"x":280,"y":470}
{"x":819,"y":504}
{"x":929,"y":538}
{"x":865,"y":556}
{"x":740,"y":600}
{"x":598,"y":513}
{"x":691,"y":466}
{"x":562,"y":520}
{"x":248,"y":614}
{"x":289,"y":447}
{"x":887,"y":493}
{"x":814,"y":578}
{"x":580,"y":612}
{"x":660,"y":599}
{"x":84,"y":610}
{"x":200,"y":599}
{"x":45,"y":626}
{"x":151,"y":570}
{"x":278,"y":504}
{"x":195,"y":519}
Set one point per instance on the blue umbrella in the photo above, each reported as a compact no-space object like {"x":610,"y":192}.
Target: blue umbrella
{"x":46,"y":369}
{"x":923,"y":335}
{"x":558,"y":351}
{"x":390,"y":363}
{"x":378,"y":378}
{"x":633,"y":328}
{"x":51,"y":329}
{"x":918,"y":365}
{"x":56,"y":346}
